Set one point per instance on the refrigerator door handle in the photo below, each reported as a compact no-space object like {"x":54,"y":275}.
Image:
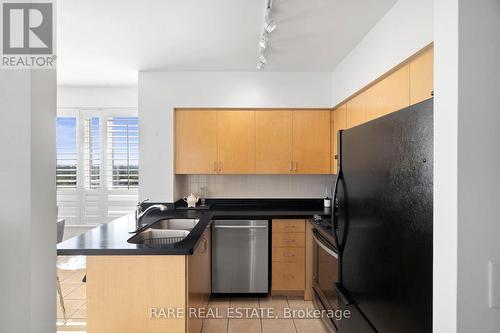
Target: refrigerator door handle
{"x":343,"y":294}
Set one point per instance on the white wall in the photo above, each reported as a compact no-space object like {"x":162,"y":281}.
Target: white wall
{"x":27,"y":201}
{"x":96,"y":97}
{"x":478,"y":161}
{"x":405,"y":29}
{"x":161,"y":92}
{"x":445,"y":166}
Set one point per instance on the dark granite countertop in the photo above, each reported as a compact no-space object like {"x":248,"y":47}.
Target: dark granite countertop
{"x":111,"y":238}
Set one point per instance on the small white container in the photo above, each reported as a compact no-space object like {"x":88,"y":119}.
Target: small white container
{"x":327,"y":202}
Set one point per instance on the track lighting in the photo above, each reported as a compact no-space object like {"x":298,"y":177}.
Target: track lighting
{"x":264,"y":43}
{"x":270,"y":26}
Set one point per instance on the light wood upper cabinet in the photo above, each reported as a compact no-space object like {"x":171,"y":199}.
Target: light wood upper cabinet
{"x":388,"y":95}
{"x":311,"y":141}
{"x":236,"y":141}
{"x":195,"y":141}
{"x":273,"y":147}
{"x":421,"y":76}
{"x":356,"y":110}
{"x":339,"y":116}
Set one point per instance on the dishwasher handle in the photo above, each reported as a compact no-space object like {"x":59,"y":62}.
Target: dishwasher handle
{"x":240,"y":226}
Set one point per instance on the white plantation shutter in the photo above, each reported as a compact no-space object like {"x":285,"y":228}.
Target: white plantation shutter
{"x":123,"y":152}
{"x":122,"y":165}
{"x":92,"y":153}
{"x":103,"y":169}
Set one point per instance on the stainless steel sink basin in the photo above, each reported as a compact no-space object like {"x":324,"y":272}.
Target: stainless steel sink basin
{"x":175,"y":224}
{"x":158,"y":237}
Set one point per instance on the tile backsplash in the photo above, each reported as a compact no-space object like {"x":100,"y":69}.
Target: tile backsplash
{"x":254,"y":186}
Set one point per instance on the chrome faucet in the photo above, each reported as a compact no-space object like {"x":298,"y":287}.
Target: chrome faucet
{"x":139,"y":213}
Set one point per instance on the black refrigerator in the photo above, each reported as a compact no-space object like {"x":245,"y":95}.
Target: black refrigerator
{"x":384,"y":220}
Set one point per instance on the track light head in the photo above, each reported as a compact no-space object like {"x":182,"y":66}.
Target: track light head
{"x":270,"y":26}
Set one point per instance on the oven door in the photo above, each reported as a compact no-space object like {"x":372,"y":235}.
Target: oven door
{"x":325,"y":275}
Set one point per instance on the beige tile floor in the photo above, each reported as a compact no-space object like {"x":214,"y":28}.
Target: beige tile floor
{"x":274,"y":324}
{"x":73,"y":290}
{"x":75,"y":300}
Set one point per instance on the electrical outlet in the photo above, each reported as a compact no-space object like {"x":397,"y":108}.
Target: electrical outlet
{"x":494,"y":278}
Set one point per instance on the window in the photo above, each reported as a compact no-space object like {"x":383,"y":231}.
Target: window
{"x":123,"y":152}
{"x":92,"y":155}
{"x":66,"y":152}
{"x":97,"y":164}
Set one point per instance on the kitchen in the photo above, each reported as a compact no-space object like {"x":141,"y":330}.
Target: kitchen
{"x":265,"y":166}
{"x":249,"y":245}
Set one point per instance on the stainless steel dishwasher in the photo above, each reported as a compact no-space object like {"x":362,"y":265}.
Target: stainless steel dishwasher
{"x":240,"y":256}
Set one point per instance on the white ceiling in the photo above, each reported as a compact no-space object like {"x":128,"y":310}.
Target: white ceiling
{"x":106,"y":42}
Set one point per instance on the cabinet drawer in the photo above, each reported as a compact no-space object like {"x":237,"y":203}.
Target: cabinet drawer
{"x":288,"y":239}
{"x":288,"y":276}
{"x":289,"y":226}
{"x":288,"y":254}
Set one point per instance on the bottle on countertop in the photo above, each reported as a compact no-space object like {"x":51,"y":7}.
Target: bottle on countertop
{"x":327,"y":201}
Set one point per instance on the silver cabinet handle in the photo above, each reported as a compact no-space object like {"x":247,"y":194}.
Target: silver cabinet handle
{"x":324,"y":247}
{"x":291,"y":167}
{"x":296,"y":166}
{"x":240,"y":227}
{"x":215,"y":166}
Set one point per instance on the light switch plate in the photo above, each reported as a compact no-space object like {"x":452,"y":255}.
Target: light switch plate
{"x":494,"y":278}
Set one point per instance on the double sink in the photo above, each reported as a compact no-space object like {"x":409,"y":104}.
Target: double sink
{"x":164,"y":232}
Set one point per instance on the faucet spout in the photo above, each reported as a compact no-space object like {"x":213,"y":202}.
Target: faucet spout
{"x":140,"y":214}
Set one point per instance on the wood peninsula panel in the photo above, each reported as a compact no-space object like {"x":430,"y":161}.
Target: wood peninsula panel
{"x":121,"y":290}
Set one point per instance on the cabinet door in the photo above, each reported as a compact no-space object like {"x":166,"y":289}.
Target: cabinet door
{"x":389,"y":95}
{"x":339,"y":122}
{"x":356,"y":110}
{"x":273,"y":148}
{"x":236,"y":141}
{"x":311,"y":141}
{"x":195,"y":141}
{"x":198,"y":280}
{"x":421,"y":76}
{"x":288,"y":276}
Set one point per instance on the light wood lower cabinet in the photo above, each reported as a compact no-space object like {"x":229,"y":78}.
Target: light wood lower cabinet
{"x":288,"y":276}
{"x":128,"y":294}
{"x":288,"y":256}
